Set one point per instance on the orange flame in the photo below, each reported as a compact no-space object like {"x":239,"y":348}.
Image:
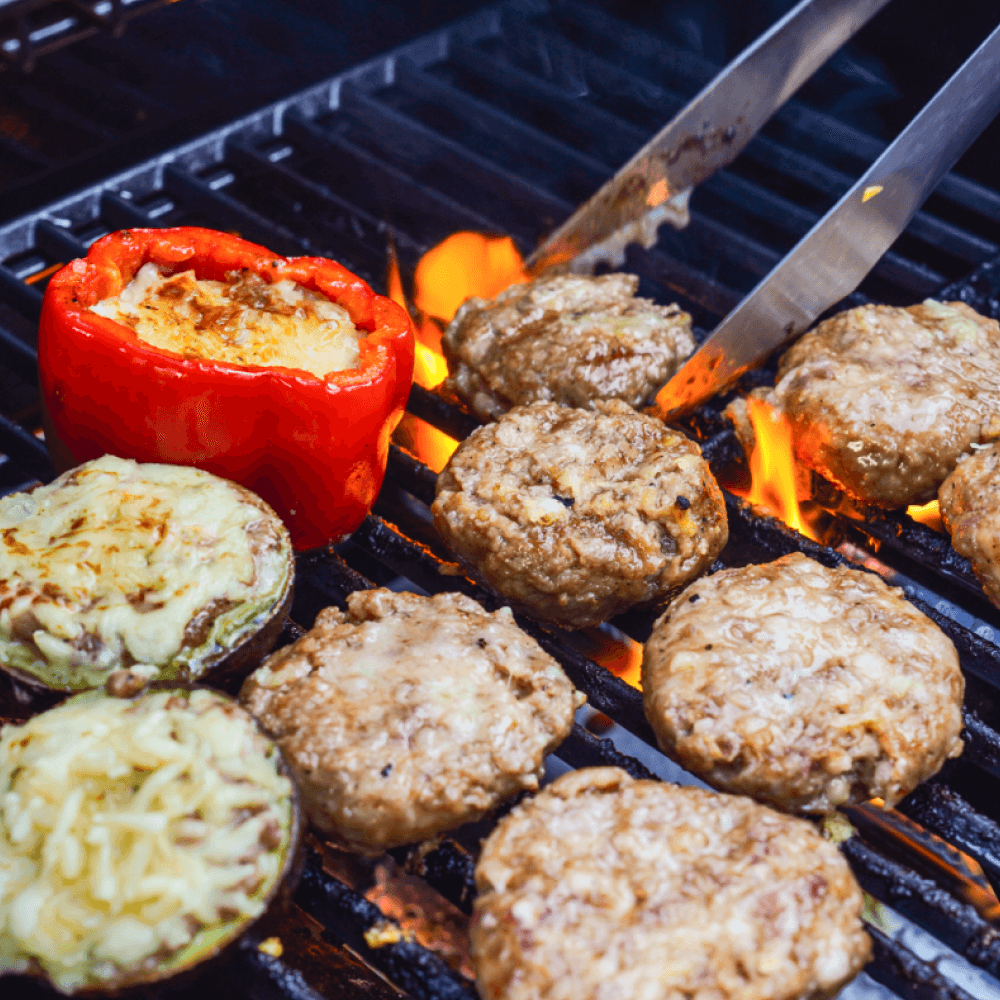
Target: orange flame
{"x":429,"y":368}
{"x":928,"y":513}
{"x":772,"y":466}
{"x":612,"y":649}
{"x":463,"y":265}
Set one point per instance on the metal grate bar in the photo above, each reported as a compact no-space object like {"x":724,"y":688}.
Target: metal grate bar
{"x":815,"y":129}
{"x":431,"y":158}
{"x":381,"y":188}
{"x":921,"y":900}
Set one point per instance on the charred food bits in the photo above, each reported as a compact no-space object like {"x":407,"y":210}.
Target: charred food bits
{"x":411,"y":715}
{"x":569,"y":340}
{"x":883,"y":401}
{"x":802,"y":686}
{"x":970,"y":508}
{"x":138,"y":837}
{"x":127,"y":573}
{"x":576,"y":515}
{"x":602,"y":886}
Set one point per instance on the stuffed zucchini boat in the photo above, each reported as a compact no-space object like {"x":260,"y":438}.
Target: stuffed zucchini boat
{"x":139,"y":837}
{"x":119,"y":574}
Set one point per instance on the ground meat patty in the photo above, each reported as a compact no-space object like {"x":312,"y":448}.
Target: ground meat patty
{"x":576,"y":515}
{"x":568,"y":339}
{"x":805,"y":687}
{"x":604,"y":887}
{"x":883,"y":401}
{"x":970,"y":509}
{"x":411,"y":715}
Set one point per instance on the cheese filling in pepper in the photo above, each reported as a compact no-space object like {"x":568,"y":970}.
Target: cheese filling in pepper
{"x":243,"y":321}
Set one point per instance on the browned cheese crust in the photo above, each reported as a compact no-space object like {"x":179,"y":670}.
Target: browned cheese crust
{"x":569,"y":339}
{"x":577,"y":515}
{"x":605,"y":888}
{"x":805,"y":687}
{"x":410,"y":715}
{"x":970,"y":509}
{"x":883,"y":400}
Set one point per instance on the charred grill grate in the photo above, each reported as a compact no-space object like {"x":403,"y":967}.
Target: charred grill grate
{"x":32,"y":28}
{"x":503,"y":123}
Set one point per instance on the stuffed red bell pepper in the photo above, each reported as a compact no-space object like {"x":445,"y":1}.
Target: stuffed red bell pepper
{"x":194,"y":347}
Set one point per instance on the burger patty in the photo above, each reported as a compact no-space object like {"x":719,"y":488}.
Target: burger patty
{"x":576,"y":515}
{"x":570,"y":340}
{"x":411,"y":715}
{"x":970,"y":509}
{"x":883,"y":401}
{"x":602,"y":886}
{"x":805,"y":687}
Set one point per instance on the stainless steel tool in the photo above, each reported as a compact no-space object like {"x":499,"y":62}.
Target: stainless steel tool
{"x":653,"y":187}
{"x":831,"y":260}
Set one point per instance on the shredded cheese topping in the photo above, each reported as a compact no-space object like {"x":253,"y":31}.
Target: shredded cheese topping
{"x":111,"y":564}
{"x":244,"y":320}
{"x":130,"y":830}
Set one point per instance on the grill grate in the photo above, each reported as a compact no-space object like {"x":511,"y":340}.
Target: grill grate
{"x":503,"y":123}
{"x":31,"y":28}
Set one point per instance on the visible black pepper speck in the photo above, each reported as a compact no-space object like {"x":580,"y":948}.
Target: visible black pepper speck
{"x":385,"y":770}
{"x":565,"y":501}
{"x":683,"y":503}
{"x":709,"y":646}
{"x":693,"y":598}
{"x":481,"y":643}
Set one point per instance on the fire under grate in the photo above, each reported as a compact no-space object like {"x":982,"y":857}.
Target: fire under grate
{"x":503,"y":124}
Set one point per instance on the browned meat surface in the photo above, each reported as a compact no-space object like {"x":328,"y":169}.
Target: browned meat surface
{"x":576,"y":515}
{"x":970,"y":509}
{"x":411,"y":715}
{"x":883,"y":400}
{"x":805,"y":687}
{"x":570,"y":340}
{"x":602,"y":888}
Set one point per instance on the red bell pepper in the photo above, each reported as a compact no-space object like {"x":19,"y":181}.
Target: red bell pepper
{"x":314,"y":448}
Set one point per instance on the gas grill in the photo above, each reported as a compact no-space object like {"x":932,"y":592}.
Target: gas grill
{"x":502,"y":123}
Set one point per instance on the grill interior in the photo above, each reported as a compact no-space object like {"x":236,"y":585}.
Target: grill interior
{"x":503,"y":123}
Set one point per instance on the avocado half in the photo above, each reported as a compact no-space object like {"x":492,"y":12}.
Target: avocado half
{"x":211,"y":941}
{"x":235,"y":626}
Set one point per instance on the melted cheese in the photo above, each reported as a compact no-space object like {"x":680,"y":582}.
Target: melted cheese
{"x":126,"y":826}
{"x":108,"y":565}
{"x":244,"y":321}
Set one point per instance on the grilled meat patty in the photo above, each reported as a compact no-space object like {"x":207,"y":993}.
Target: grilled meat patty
{"x":577,"y":515}
{"x":883,"y":401}
{"x":802,"y":686}
{"x":411,"y":715}
{"x":970,"y":508}
{"x":570,"y":340}
{"x":602,"y":886}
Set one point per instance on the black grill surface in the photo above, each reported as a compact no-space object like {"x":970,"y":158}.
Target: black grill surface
{"x":503,"y":123}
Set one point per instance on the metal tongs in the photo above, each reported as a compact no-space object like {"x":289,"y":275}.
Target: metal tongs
{"x":832,"y":259}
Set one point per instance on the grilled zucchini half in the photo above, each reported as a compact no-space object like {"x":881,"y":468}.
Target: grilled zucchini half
{"x":120,"y":573}
{"x":139,"y":838}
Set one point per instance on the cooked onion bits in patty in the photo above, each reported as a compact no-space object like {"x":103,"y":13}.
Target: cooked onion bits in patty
{"x":137,"y":837}
{"x":126,"y":572}
{"x":570,"y":340}
{"x":805,"y":687}
{"x":411,"y":715}
{"x":602,"y":886}
{"x":883,"y":401}
{"x":577,"y":515}
{"x":970,"y":509}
